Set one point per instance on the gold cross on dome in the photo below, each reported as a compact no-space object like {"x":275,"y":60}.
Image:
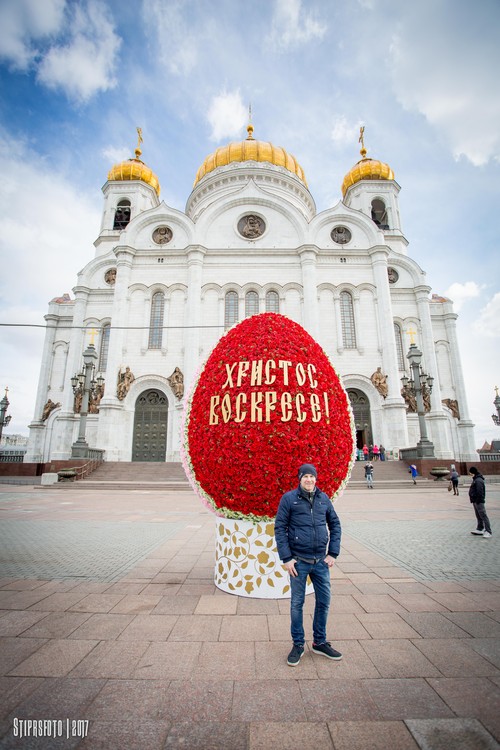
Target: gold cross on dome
{"x":92,"y":333}
{"x":411,"y":333}
{"x":361,"y":138}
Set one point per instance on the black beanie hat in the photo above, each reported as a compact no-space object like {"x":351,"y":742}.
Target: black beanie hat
{"x":473,"y":470}
{"x":307,"y":469}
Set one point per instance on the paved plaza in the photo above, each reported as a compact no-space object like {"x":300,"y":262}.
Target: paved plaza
{"x":113,"y":634}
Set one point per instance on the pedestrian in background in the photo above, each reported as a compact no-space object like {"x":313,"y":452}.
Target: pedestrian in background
{"x":375,"y":452}
{"x":414,"y":473}
{"x":454,"y":480}
{"x":369,"y":474}
{"x":382,"y":453}
{"x":477,"y":495}
{"x":365,"y":452}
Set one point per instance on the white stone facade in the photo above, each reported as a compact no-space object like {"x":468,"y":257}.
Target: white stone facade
{"x":296,"y":260}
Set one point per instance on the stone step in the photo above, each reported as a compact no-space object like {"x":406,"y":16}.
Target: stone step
{"x":90,"y":484}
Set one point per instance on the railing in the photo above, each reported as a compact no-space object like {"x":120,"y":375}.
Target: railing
{"x":12,"y":457}
{"x":489,"y":456}
{"x":75,"y":473}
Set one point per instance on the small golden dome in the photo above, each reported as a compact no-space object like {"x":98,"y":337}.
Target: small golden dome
{"x":366,"y":169}
{"x":135,"y":169}
{"x":250,"y":150}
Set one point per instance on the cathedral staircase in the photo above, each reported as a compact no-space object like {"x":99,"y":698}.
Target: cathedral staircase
{"x":387,"y":475}
{"x":136,"y":475}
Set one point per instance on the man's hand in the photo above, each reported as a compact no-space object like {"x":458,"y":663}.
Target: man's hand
{"x":290,"y":567}
{"x":329,"y":561}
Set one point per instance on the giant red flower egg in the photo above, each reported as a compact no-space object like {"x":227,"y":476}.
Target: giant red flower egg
{"x":267,"y":400}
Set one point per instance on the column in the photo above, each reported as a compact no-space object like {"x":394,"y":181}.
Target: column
{"x":36,"y":444}
{"x":465,"y":426}
{"x":308,"y":258}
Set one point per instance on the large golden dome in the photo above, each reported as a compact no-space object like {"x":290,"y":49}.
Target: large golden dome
{"x":250,"y":150}
{"x":135,"y":169}
{"x":366,"y":169}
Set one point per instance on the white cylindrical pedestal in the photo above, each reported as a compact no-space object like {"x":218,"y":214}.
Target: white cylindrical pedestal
{"x":247,"y":562}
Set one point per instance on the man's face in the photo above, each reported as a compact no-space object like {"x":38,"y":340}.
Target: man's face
{"x":308,"y":482}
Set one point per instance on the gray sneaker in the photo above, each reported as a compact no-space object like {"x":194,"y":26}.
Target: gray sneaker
{"x":478,"y":532}
{"x":295,"y":655}
{"x":325,"y":649}
{"x":486,"y":534}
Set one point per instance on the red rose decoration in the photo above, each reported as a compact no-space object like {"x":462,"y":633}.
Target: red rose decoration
{"x":267,"y":400}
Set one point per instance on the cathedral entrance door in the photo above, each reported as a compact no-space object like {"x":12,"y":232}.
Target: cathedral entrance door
{"x":362,"y":419}
{"x":150,"y":427}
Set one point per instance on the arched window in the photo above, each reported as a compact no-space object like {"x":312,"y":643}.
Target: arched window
{"x":251,"y":304}
{"x":156,"y":322}
{"x":379,"y":213}
{"x":231,"y":309}
{"x":347,"y":319}
{"x":122,"y":214}
{"x":272,"y":302}
{"x":399,"y":347}
{"x":104,"y":348}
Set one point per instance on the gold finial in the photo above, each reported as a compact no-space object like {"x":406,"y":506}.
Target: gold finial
{"x":92,"y":333}
{"x":411,"y":333}
{"x":496,"y":390}
{"x":361,"y":140}
{"x":7,"y":390}
{"x":138,"y":151}
{"x":250,"y":126}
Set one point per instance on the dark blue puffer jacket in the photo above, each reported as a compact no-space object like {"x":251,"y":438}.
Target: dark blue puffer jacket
{"x":302,"y":529}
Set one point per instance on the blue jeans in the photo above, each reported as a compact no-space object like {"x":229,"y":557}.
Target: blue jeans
{"x":320,"y":576}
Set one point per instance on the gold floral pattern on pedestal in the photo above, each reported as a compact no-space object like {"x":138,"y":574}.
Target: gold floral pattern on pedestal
{"x":247,"y":562}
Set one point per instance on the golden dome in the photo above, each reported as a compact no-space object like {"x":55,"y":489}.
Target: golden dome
{"x":366,"y":169}
{"x":135,"y":169}
{"x":250,"y":150}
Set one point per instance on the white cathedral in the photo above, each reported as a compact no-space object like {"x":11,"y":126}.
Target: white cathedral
{"x":164,"y":285}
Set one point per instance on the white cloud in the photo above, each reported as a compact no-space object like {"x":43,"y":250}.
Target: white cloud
{"x":24,"y":22}
{"x":343,"y":132}
{"x":176,"y":43}
{"x":293,"y":26}
{"x":487,"y":323}
{"x":86,"y":64}
{"x":113,"y":154}
{"x":445,"y":57}
{"x":460,"y":293}
{"x":227,"y":115}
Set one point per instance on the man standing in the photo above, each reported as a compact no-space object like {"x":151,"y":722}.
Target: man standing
{"x":477,"y":495}
{"x":369,"y":474}
{"x":307,"y":532}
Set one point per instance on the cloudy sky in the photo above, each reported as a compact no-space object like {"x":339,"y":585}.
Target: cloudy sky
{"x":77,"y":78}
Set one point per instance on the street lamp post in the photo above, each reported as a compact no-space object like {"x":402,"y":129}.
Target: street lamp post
{"x":418,"y":384}
{"x":496,"y":402}
{"x":4,"y":405}
{"x":85,"y":381}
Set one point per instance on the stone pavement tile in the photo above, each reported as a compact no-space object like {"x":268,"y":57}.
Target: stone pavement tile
{"x":290,"y":735}
{"x":54,"y":659}
{"x":487,"y":647}
{"x":103,"y":627}
{"x":419,"y":603}
{"x":472,"y":697}
{"x":467,"y":602}
{"x":191,"y":589}
{"x":197,"y":700}
{"x":433,"y":625}
{"x":56,"y":625}
{"x":132,"y":604}
{"x":345,"y":627}
{"x":447,"y":586}
{"x":125,"y":587}
{"x":455,"y":657}
{"x":345,"y":588}
{"x":375,"y":735}
{"x":244,"y":628}
{"x":111,"y":659}
{"x":22,"y":599}
{"x":354,"y":665}
{"x":386,"y":625}
{"x":97,"y":603}
{"x":121,"y":734}
{"x":133,"y":699}
{"x":91,"y":587}
{"x":410,"y":587}
{"x":13,"y":623}
{"x":156,"y":588}
{"x":399,"y":658}
{"x":279,"y":627}
{"x":339,"y":700}
{"x":9,"y":742}
{"x":480,"y":585}
{"x":59,"y":698}
{"x":217,"y":605}
{"x":228,"y":661}
{"x":352,"y":567}
{"x":379,"y":602}
{"x":374,"y":588}
{"x":406,"y":698}
{"x":389,"y":573}
{"x":148,"y":627}
{"x":230,"y":735}
{"x":14,"y":651}
{"x":168,"y":661}
{"x":58,"y":602}
{"x":443,"y":734}
{"x":270,"y":663}
{"x":196,"y":628}
{"x":478,"y":624}
{"x":486,"y":600}
{"x":268,"y":700}
{"x":357,"y":578}
{"x":248,"y":606}
{"x":495,"y":615}
{"x":176,"y":605}
{"x":14,"y":690}
{"x":345,"y":605}
{"x":26,"y":584}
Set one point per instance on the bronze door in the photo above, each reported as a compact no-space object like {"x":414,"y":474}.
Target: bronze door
{"x":362,"y":418}
{"x":150,"y":427}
